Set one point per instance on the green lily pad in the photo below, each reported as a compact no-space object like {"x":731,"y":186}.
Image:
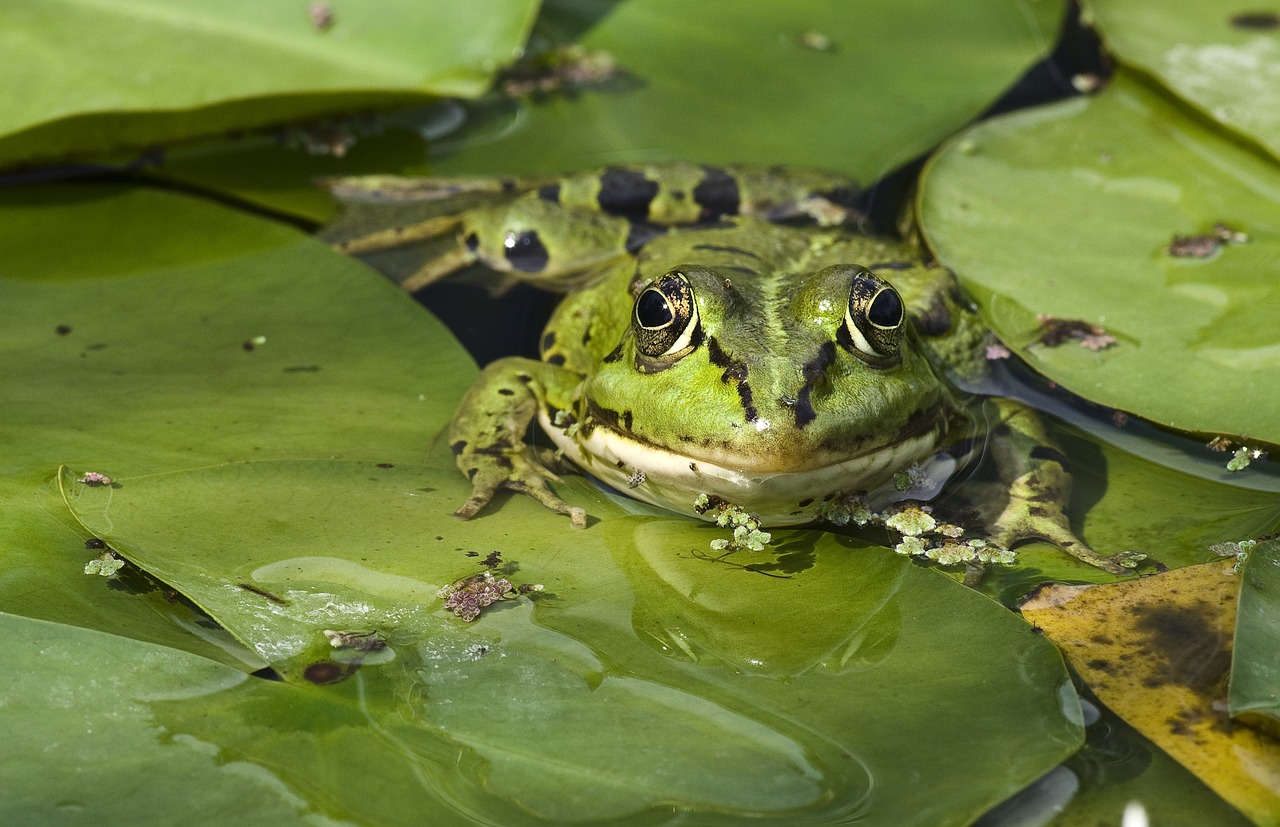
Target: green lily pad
{"x":636,"y":638}
{"x":1255,"y":672}
{"x":1223,"y":58}
{"x":856,"y":88}
{"x":150,"y":331}
{"x":1071,"y":211}
{"x":98,"y":77}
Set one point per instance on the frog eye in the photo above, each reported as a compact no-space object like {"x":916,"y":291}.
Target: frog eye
{"x":665,"y":318}
{"x":525,"y":251}
{"x":873,"y":320}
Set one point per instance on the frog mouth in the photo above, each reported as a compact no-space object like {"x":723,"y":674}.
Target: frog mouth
{"x":780,"y":496}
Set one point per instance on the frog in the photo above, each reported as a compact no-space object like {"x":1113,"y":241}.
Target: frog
{"x":727,"y":334}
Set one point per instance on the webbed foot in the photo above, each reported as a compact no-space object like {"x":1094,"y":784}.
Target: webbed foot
{"x":518,"y":470}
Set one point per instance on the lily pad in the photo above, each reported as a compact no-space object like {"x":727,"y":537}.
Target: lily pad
{"x":150,"y":331}
{"x":1157,"y":651}
{"x":1255,"y":680}
{"x":1071,"y":211}
{"x":98,"y":77}
{"x":858,"y":88}
{"x":636,"y":638}
{"x":1223,"y":58}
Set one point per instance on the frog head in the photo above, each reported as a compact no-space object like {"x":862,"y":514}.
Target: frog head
{"x":771,"y":375}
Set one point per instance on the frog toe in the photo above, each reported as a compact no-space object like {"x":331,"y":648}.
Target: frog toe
{"x":1022,"y":521}
{"x":518,"y":473}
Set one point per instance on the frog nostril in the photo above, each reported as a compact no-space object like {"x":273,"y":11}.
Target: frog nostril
{"x":525,"y":251}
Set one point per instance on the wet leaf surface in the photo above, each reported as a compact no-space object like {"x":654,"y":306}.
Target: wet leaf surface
{"x":1068,"y":210}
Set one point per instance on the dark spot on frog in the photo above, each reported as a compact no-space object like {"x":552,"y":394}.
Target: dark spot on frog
{"x":626,"y":192}
{"x":551,"y":192}
{"x":1051,"y":454}
{"x":892,"y":265}
{"x":274,"y":598}
{"x":717,"y":194}
{"x":327,"y":672}
{"x":813,"y":371}
{"x":548,"y":340}
{"x":748,"y":403}
{"x":555,"y":359}
{"x":473,"y":554}
{"x":471,"y":242}
{"x":506,"y":392}
{"x":716,"y":354}
{"x":607,"y":416}
{"x":508,"y":185}
{"x":1102,"y":640}
{"x":302,"y":369}
{"x":1102,"y":665}
{"x":524,"y":377}
{"x":384,"y":465}
{"x":471,"y":473}
{"x":62,"y":329}
{"x":247,"y":345}
{"x":1257,"y":21}
{"x":458,"y":447}
{"x":640,"y":233}
{"x":806,"y":502}
{"x":626,"y":420}
{"x":935,"y":319}
{"x":525,"y":251}
{"x":726,"y":248}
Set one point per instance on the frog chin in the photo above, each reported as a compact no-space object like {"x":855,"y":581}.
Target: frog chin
{"x":674,"y":481}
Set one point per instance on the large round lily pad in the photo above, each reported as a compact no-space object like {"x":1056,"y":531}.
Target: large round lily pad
{"x":1076,"y":210}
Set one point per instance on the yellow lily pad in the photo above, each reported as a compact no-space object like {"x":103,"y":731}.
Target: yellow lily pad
{"x":1157,"y":652}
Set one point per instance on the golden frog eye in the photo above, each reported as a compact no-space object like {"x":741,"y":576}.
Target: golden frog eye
{"x":665,"y":317}
{"x":873,"y":320}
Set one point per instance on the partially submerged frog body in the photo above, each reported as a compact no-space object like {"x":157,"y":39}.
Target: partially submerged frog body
{"x":704,"y":351}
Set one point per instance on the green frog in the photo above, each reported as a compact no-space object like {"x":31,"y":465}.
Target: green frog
{"x":727,"y":335}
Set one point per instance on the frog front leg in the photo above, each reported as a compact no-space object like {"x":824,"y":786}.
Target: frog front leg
{"x":488,"y":429}
{"x":1038,"y":481}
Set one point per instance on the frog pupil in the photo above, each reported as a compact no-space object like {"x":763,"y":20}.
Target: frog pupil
{"x":653,"y":310}
{"x":885,"y":309}
{"x":525,"y":251}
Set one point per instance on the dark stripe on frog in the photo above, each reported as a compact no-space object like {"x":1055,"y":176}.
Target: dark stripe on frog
{"x":935,"y":319}
{"x":626,"y":192}
{"x":717,"y":193}
{"x":640,"y":233}
{"x":813,"y":371}
{"x":893,"y":265}
{"x":611,"y":418}
{"x":734,"y":371}
{"x":1051,"y":454}
{"x":614,"y":355}
{"x":551,"y":192}
{"x":725,"y":248}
